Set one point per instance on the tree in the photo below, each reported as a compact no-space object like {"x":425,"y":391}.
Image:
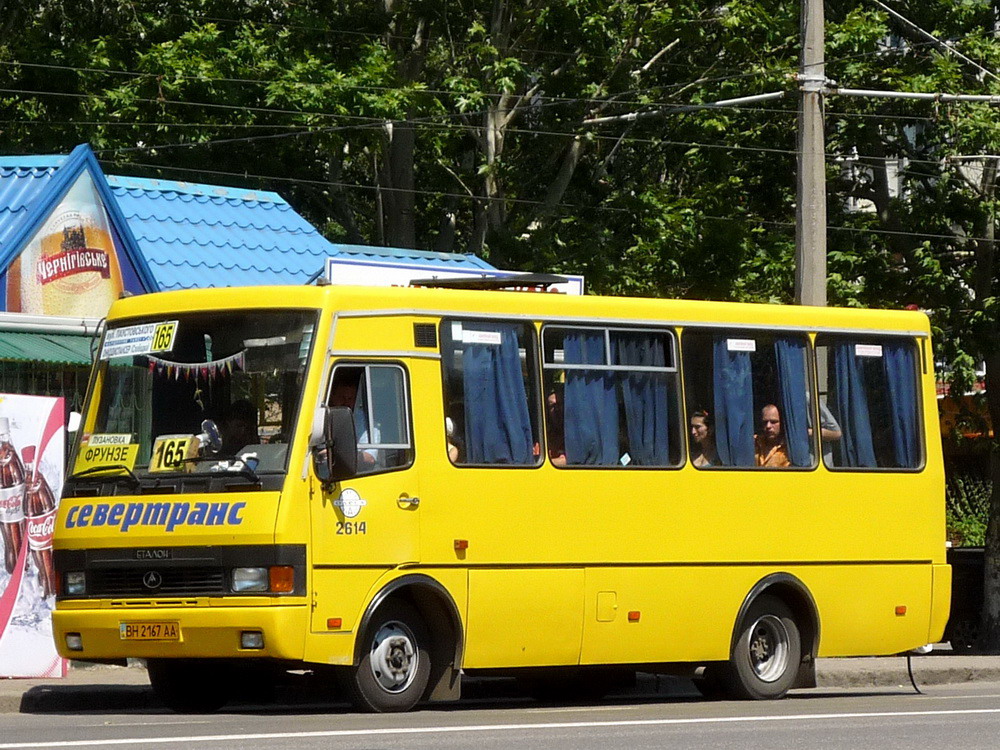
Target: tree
{"x":547,"y":135}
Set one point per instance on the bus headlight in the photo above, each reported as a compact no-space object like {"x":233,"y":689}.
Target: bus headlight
{"x":75,"y":583}
{"x":249,"y":579}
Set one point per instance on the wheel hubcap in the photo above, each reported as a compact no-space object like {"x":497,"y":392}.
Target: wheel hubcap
{"x":768,"y":648}
{"x":394,"y":657}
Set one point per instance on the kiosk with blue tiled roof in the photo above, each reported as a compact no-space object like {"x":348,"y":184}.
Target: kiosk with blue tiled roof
{"x":72,"y":239}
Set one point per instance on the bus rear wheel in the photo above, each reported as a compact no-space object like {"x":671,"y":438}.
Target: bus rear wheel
{"x":767,"y":652}
{"x":395,"y":665}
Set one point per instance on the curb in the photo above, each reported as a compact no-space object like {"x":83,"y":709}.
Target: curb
{"x":954,"y":670}
{"x":69,"y":698}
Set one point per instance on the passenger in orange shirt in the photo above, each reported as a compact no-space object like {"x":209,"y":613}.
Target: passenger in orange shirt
{"x":769,"y":444}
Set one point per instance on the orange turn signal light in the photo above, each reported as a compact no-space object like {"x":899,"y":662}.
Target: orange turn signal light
{"x":281,"y":579}
{"x":900,"y":610}
{"x":461,"y":544}
{"x":633,"y":616}
{"x":334,"y":623}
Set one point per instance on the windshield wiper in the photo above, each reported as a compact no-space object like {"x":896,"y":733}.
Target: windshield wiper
{"x":128,"y":474}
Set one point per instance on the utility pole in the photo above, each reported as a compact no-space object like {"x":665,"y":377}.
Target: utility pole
{"x":810,"y":204}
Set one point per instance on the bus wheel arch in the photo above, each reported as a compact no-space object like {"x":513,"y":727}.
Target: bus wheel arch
{"x":787,"y":615}
{"x":438,"y":612}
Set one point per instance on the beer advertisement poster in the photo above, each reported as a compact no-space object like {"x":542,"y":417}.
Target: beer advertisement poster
{"x":32,"y":457}
{"x":71,"y":265}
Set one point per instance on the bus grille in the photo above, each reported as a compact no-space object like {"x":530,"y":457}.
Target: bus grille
{"x":173,"y":581}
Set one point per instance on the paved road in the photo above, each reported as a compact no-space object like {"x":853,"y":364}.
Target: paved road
{"x":948,"y":716}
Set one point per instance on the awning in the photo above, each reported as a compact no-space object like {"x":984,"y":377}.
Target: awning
{"x":61,"y":348}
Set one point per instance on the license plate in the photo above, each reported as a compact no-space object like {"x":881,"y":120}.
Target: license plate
{"x":149,"y":631}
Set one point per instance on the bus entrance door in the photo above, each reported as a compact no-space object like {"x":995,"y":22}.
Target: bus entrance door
{"x":367,"y":525}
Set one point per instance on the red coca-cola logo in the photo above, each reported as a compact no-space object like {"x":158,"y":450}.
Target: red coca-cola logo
{"x":40,"y":530}
{"x":10,"y":503}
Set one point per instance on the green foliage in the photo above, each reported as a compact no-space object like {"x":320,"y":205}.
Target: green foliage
{"x":967,"y":507}
{"x":317,"y":99}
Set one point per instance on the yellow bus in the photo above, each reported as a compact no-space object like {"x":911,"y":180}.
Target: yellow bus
{"x":397,"y":487}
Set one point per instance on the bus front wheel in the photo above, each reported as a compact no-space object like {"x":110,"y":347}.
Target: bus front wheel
{"x":395,"y":663}
{"x":767,"y":652}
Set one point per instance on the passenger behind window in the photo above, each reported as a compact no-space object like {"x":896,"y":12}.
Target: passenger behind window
{"x":344,"y":392}
{"x":769,"y":443}
{"x":703,"y":452}
{"x":554,"y":420}
{"x":829,"y":431}
{"x":239,"y":427}
{"x":453,"y":450}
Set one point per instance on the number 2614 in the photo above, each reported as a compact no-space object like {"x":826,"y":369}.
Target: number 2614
{"x":347,"y":528}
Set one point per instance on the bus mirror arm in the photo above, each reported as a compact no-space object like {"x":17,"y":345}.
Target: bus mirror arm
{"x":338,"y":454}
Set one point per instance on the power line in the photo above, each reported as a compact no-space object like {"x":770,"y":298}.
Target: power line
{"x":612,"y":98}
{"x":854,"y":230}
{"x":524,"y":201}
{"x":437,"y":125}
{"x":379,"y":36}
{"x":358,"y":186}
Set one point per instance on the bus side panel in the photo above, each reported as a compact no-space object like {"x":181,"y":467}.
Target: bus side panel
{"x":524,"y":617}
{"x":683,"y":613}
{"x":346,"y":594}
{"x":870,"y":609}
{"x":688,"y":613}
{"x":337,"y":592}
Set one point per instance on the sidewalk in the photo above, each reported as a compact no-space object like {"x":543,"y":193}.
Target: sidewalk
{"x":118,"y":689}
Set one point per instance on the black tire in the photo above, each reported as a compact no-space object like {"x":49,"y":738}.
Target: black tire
{"x":395,"y":661}
{"x":190,"y":686}
{"x":767,"y":653}
{"x":711,"y":683}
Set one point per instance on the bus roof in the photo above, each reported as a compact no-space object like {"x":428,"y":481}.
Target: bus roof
{"x":434,"y":302}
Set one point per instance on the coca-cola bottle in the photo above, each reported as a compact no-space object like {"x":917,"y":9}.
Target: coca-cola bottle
{"x":40,"y":508}
{"x":11,"y":498}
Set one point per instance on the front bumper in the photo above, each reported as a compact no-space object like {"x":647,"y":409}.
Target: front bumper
{"x":205,"y":632}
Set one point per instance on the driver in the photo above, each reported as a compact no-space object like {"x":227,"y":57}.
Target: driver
{"x":239,"y":427}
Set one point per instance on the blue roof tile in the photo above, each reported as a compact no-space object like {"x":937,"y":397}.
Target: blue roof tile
{"x":203,"y":235}
{"x":19,"y":187}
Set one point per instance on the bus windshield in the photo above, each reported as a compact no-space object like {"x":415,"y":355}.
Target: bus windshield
{"x":196,"y":394}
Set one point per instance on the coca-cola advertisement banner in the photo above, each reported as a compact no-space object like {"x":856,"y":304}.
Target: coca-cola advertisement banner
{"x":32,"y":448}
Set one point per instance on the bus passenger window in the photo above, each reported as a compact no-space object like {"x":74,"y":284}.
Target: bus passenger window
{"x":870,"y":389}
{"x":749,"y":392}
{"x":377,"y":396}
{"x":611,"y":397}
{"x":491,"y":398}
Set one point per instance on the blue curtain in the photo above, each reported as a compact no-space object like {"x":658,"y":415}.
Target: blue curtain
{"x":589,"y":403}
{"x":900,"y":372}
{"x":849,"y":403}
{"x":790,"y":356}
{"x":733,"y":398}
{"x":497,"y":422}
{"x":644,"y":395}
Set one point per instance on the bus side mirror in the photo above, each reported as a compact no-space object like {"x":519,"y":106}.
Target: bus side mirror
{"x":340,"y":444}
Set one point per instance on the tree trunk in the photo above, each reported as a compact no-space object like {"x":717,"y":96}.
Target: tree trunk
{"x":399,"y":142}
{"x":989,"y":633}
{"x":398,"y":183}
{"x":342,"y":211}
